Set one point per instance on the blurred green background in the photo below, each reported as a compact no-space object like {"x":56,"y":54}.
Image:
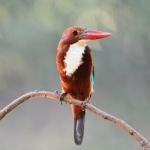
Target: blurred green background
{"x":29,"y":33}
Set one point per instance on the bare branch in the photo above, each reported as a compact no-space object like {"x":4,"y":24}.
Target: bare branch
{"x":55,"y":96}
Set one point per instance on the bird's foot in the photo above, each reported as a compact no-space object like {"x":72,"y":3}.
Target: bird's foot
{"x":62,"y":96}
{"x":85,"y":102}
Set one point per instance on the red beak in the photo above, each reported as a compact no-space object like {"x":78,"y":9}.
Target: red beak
{"x":94,"y":35}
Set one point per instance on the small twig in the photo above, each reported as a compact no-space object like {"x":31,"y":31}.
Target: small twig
{"x":55,"y":96}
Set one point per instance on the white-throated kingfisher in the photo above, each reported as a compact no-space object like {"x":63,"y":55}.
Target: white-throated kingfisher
{"x":76,"y":70}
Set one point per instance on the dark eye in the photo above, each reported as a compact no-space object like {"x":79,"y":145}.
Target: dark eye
{"x":75,"y":32}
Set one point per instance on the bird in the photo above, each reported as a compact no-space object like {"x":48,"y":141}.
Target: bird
{"x":76,"y":70}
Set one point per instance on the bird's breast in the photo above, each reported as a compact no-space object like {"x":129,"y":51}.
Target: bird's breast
{"x":74,"y":58}
{"x":75,"y":69}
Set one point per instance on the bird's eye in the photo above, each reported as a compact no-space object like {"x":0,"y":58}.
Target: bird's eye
{"x":75,"y":33}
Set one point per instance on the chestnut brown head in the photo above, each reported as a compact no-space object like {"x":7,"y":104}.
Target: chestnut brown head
{"x":74,"y":34}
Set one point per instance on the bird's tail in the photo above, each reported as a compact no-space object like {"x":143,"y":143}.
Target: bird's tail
{"x":78,"y":125}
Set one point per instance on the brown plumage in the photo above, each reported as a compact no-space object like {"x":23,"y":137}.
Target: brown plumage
{"x":77,"y":83}
{"x":77,"y":86}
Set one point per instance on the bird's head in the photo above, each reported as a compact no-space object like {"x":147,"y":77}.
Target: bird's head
{"x":75,"y":34}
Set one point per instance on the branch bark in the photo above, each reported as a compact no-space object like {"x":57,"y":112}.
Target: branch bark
{"x":144,"y":143}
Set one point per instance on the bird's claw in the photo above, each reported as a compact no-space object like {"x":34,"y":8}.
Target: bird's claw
{"x":84,"y":103}
{"x":62,"y":96}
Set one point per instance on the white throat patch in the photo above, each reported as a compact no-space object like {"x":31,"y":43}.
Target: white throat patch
{"x":73,"y":58}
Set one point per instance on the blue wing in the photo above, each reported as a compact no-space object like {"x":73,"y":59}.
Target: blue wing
{"x":93,"y":78}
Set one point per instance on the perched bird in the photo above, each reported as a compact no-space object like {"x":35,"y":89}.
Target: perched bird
{"x":76,"y":70}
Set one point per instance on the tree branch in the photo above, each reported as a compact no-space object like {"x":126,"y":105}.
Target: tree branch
{"x":55,"y":96}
